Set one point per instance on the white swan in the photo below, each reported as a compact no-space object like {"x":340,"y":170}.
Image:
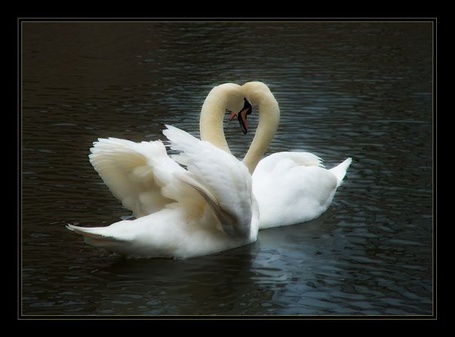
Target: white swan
{"x":126,"y":167}
{"x":207,"y":208}
{"x":290,"y":187}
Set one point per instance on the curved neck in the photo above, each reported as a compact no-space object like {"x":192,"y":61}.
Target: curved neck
{"x":225,"y":96}
{"x":231,"y":96}
{"x":211,"y":125}
{"x":269,"y":117}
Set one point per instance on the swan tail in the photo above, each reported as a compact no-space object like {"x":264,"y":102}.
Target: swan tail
{"x":340,"y":170}
{"x":85,"y":231}
{"x":94,"y":236}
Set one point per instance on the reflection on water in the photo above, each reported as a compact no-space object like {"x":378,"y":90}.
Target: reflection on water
{"x":358,"y":89}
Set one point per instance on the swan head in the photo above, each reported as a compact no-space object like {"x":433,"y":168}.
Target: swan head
{"x":242,"y":115}
{"x":222,"y":98}
{"x":256,"y":92}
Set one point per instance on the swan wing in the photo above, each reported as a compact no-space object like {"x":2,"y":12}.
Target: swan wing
{"x":279,"y":162}
{"x":222,"y":180}
{"x":134,"y":172}
{"x":294,"y":187}
{"x":212,"y":210}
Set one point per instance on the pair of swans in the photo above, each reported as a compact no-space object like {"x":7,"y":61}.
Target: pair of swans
{"x":218,"y":202}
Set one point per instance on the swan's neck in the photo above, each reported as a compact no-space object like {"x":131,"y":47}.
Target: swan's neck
{"x":269,"y":117}
{"x":225,"y":96}
{"x":211,"y":125}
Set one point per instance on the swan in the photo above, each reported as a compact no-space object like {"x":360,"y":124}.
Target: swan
{"x":180,"y":213}
{"x":125,"y":166}
{"x":290,"y":187}
{"x":211,"y":206}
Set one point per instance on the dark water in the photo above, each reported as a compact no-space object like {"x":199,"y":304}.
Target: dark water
{"x":360,"y":89}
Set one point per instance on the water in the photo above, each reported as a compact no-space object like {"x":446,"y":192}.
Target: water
{"x":360,"y":89}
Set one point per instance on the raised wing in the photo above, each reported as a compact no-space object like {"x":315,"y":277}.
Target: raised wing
{"x":223,"y":180}
{"x":135,"y":172}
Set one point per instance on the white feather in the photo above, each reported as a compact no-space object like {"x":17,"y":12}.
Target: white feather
{"x":205,"y":209}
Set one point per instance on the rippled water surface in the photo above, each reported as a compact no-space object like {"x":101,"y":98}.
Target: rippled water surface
{"x":359,"y":89}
